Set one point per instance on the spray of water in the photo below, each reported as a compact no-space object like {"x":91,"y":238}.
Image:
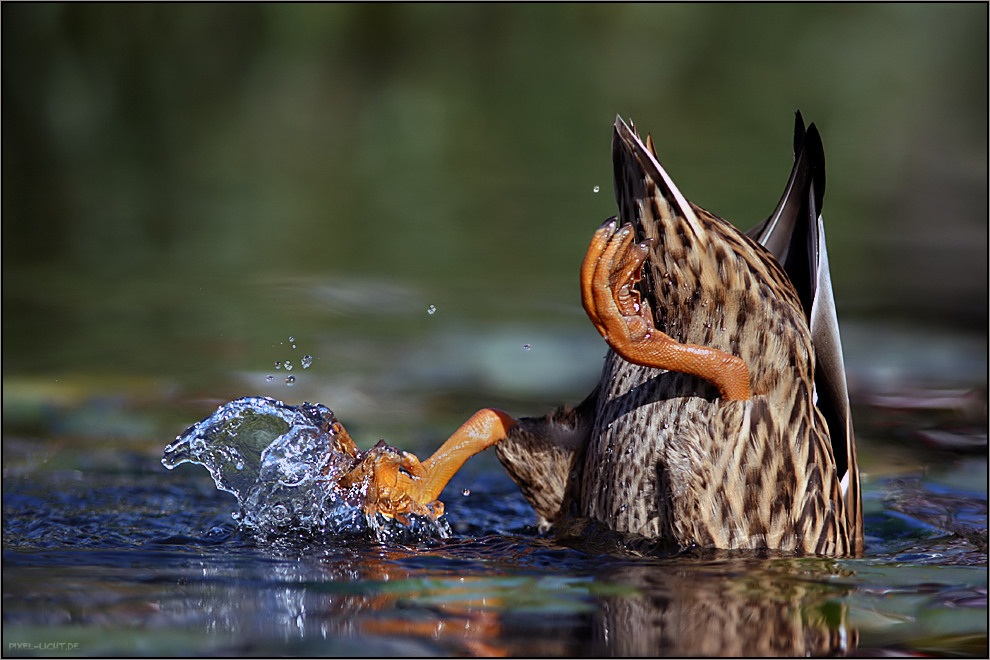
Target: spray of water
{"x":282,"y":463}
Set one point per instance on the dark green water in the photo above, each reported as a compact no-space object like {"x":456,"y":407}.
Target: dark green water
{"x":186,"y":187}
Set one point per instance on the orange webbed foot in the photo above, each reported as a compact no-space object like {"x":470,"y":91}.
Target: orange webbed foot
{"x":610,"y":271}
{"x":396,"y":483}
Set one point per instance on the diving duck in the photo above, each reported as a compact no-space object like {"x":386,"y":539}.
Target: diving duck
{"x":721,"y":419}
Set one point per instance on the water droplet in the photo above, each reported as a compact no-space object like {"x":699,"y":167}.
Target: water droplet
{"x":466,"y":492}
{"x":595,"y":189}
{"x":239,"y":465}
{"x":431,"y":310}
{"x":307,"y":361}
{"x":278,"y":364}
{"x":288,"y":366}
{"x":269,"y":378}
{"x":290,"y":380}
{"x":293,"y":346}
{"x":291,"y":339}
{"x":526,"y":347}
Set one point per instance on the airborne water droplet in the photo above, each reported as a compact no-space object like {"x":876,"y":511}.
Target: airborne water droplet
{"x":288,"y":366}
{"x":278,"y":364}
{"x":269,"y":378}
{"x":290,"y":380}
{"x":466,"y":492}
{"x":595,"y":189}
{"x":431,"y":310}
{"x":526,"y":347}
{"x":291,"y":339}
{"x":307,"y":361}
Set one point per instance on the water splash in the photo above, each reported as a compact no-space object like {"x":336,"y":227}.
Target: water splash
{"x":282,"y":463}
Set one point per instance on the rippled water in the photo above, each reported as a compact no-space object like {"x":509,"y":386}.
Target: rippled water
{"x":106,"y":552}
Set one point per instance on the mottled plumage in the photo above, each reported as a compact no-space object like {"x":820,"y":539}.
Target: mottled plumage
{"x":659,"y":453}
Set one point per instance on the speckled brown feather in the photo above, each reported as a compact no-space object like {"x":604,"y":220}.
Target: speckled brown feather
{"x":543,"y":456}
{"x":665,"y":457}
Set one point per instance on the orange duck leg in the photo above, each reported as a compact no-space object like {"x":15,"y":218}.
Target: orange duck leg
{"x":612,"y":267}
{"x":395,"y":483}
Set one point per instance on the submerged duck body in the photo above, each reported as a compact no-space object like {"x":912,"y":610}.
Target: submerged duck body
{"x":672,"y":453}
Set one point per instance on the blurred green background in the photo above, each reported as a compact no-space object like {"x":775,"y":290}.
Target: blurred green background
{"x":186,"y":186}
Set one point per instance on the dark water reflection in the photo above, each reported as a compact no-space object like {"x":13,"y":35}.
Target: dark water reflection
{"x":186,"y":187}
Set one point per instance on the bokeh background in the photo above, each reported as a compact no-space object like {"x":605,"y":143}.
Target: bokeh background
{"x":185,"y":187}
